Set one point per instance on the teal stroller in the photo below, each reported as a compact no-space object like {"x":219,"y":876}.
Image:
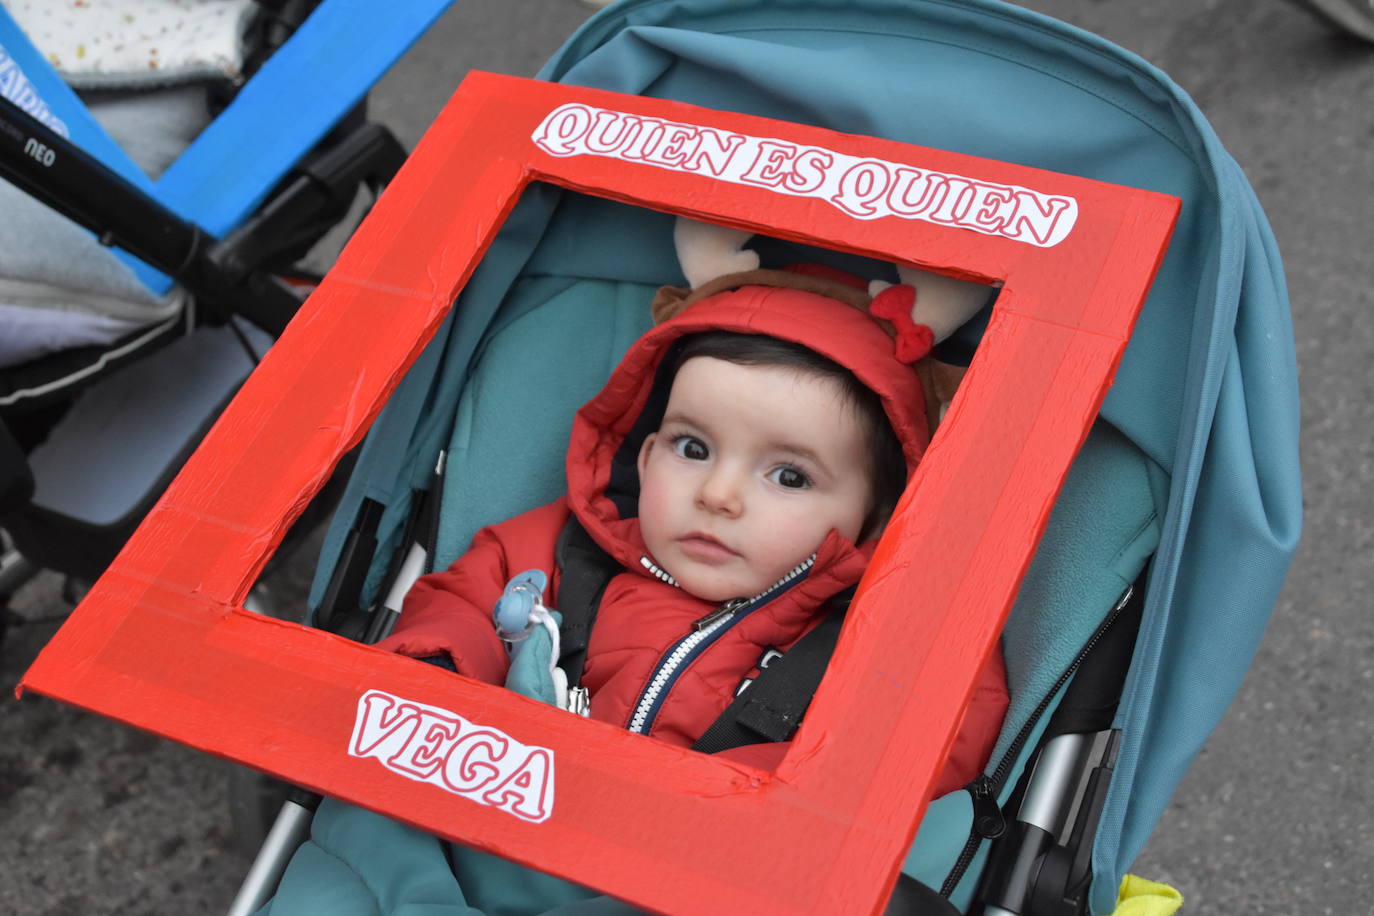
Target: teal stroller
{"x":1164,"y":552}
{"x":1190,"y":470}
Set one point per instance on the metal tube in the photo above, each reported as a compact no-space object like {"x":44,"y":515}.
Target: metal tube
{"x":287,"y":833}
{"x":1048,"y":796}
{"x":53,"y":170}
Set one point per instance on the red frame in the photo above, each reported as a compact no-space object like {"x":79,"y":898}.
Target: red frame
{"x":162,"y":641}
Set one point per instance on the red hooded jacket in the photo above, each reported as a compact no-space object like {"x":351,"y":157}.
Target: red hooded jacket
{"x":634,"y":676}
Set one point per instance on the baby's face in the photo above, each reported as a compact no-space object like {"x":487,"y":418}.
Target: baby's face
{"x":750,"y":470}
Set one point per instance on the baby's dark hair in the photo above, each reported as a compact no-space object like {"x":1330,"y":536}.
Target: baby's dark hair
{"x":887,"y":466}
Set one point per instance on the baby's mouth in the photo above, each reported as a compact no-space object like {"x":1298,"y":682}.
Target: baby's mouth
{"x":705,"y":549}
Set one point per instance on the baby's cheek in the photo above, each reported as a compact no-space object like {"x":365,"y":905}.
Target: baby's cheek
{"x":800,"y":532}
{"x":653,"y":517}
{"x":799,"y":514}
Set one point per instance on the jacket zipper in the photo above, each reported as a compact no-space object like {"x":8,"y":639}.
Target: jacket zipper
{"x":705,"y":631}
{"x":989,"y":822}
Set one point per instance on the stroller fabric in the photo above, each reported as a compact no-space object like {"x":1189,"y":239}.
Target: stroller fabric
{"x":1194,"y":458}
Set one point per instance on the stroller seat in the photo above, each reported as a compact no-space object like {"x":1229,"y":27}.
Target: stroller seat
{"x":510,"y":427}
{"x":1104,"y":527}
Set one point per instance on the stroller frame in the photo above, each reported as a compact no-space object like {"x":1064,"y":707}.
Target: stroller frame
{"x":221,"y":274}
{"x":1060,"y":327}
{"x":225,"y":226}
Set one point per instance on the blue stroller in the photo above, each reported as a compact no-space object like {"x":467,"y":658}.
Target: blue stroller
{"x":1167,"y":546}
{"x":145,"y":262}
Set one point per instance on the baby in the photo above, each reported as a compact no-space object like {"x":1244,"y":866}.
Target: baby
{"x":739,"y":466}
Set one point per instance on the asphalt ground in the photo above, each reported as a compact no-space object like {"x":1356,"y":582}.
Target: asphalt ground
{"x":1274,"y":817}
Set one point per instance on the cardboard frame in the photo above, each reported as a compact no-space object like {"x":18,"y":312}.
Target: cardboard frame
{"x":162,"y":641}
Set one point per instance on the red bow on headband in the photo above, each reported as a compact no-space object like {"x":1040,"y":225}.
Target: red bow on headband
{"x":894,"y":306}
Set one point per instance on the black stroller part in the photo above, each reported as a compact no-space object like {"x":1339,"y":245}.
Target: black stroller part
{"x":584,"y":572}
{"x":340,"y":609}
{"x":16,"y":477}
{"x":225,"y":276}
{"x":51,"y":169}
{"x":414,"y":559}
{"x":1041,"y":864}
{"x":277,"y":20}
{"x":109,"y":457}
{"x":1091,"y":698}
{"x":1066,"y":869}
{"x":989,"y":821}
{"x":239,"y":275}
{"x":83,"y":548}
{"x":771,"y":707}
{"x":912,"y":898}
{"x":316,"y":194}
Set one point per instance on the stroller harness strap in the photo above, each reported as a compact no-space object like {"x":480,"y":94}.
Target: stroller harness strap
{"x":768,"y":710}
{"x":584,"y":571}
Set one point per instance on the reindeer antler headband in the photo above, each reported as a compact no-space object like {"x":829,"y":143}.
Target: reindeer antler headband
{"x":920,"y":312}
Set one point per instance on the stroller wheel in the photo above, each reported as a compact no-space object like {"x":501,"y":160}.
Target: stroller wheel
{"x":1355,"y":17}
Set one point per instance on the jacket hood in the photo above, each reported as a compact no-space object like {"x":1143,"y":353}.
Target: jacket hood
{"x":603,"y":481}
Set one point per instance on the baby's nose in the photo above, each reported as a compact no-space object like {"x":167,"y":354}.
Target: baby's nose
{"x":720,"y":492}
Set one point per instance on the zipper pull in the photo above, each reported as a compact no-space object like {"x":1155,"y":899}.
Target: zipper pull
{"x":988,"y":819}
{"x":720,"y":613}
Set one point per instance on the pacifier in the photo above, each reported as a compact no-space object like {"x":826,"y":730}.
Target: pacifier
{"x":518,"y":610}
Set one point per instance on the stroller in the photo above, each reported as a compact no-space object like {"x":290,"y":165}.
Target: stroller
{"x":180,"y":261}
{"x":1192,"y":460}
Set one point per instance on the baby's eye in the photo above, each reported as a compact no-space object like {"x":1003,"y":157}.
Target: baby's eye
{"x":691,"y":448}
{"x":789,"y":478}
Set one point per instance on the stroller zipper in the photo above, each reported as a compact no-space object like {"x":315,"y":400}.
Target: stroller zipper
{"x":989,"y":822}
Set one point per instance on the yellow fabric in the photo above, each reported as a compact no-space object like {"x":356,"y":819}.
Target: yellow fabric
{"x":1139,"y":897}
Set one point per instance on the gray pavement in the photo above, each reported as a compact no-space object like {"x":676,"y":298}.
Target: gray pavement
{"x":1275,"y":815}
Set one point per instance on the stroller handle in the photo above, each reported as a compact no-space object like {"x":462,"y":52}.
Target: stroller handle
{"x":53,"y":170}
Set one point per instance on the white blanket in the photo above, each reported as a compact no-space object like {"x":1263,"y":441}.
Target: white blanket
{"x":96,"y":44}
